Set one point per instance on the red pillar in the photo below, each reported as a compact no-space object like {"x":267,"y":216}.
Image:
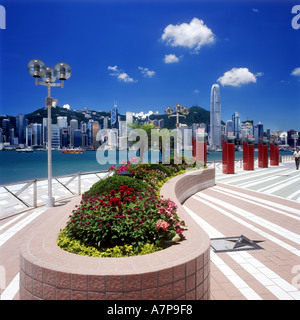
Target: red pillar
{"x":260,"y":155}
{"x":245,"y":155}
{"x":271,"y":153}
{"x":201,"y":153}
{"x":194,"y":146}
{"x":274,"y":154}
{"x":250,"y":156}
{"x":230,"y":157}
{"x":265,"y":156}
{"x":224,"y":156}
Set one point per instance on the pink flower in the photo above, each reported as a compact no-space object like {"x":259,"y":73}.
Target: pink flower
{"x":161,"y":224}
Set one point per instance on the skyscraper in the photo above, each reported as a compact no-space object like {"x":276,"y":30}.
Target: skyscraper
{"x":6,"y":129}
{"x":236,"y":119}
{"x":215,"y":118}
{"x":95,"y":128}
{"x":21,"y":127}
{"x":114,"y":117}
{"x":37,"y":134}
{"x":260,"y":128}
{"x":73,"y":127}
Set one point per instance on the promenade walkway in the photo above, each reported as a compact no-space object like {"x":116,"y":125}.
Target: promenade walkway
{"x":263,"y":205}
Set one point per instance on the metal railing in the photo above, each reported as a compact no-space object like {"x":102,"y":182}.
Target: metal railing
{"x":238,"y":163}
{"x":29,"y":189}
{"x":26,"y":193}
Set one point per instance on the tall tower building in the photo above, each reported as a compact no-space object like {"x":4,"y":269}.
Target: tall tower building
{"x":37,"y":134}
{"x":215,"y":118}
{"x":95,"y":128}
{"x":21,"y":127}
{"x":260,"y":128}
{"x":114,"y":117}
{"x":73,"y":127}
{"x":236,"y":119}
{"x":6,"y":129}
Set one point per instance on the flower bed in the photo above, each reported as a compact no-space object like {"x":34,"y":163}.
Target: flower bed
{"x":115,"y":219}
{"x":179,"y":272}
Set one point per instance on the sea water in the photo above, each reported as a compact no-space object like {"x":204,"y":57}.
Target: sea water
{"x":16,"y":167}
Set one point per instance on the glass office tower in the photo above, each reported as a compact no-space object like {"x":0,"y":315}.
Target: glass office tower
{"x":215,"y":118}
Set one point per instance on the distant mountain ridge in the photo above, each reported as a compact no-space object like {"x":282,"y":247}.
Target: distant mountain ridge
{"x":196,"y":115}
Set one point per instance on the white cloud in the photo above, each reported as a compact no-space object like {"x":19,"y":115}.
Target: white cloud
{"x":259,"y":74}
{"x":238,"y":76}
{"x":66,"y":106}
{"x":196,"y":91}
{"x":143,"y":115}
{"x":171,"y":58}
{"x":255,"y":10}
{"x":192,"y":35}
{"x":146,"y":72}
{"x":296,"y":72}
{"x":120,"y":74}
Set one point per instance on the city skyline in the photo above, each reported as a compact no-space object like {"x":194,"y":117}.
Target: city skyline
{"x":149,"y":56}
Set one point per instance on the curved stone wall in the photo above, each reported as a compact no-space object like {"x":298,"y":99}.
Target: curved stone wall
{"x":178,"y":272}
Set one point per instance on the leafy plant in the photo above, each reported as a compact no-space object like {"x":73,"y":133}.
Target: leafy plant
{"x":124,"y":212}
{"x":114,"y":182}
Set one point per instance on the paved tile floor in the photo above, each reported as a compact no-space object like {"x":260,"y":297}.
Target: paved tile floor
{"x":262,"y":205}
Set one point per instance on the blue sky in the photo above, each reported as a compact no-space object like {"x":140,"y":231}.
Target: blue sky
{"x":151,"y":54}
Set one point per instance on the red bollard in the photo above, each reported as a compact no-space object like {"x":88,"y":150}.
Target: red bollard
{"x":199,"y":143}
{"x":263,"y":149}
{"x":248,"y":154}
{"x":224,"y":156}
{"x":271,"y":153}
{"x":245,"y":155}
{"x":265,"y":156}
{"x":274,"y":154}
{"x":201,"y":147}
{"x":260,"y":155}
{"x":251,"y":155}
{"x":228,"y":155}
{"x":194,"y":146}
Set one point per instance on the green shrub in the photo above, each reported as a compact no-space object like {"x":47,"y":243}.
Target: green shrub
{"x":114,"y":182}
{"x":121,"y":216}
{"x":78,"y":247}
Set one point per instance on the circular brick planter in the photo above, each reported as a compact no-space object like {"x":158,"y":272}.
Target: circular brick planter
{"x":178,"y":272}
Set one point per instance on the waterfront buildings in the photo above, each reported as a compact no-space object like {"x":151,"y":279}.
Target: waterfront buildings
{"x":236,"y":120}
{"x":114,"y":117}
{"x":21,"y":124}
{"x":95,"y":128}
{"x":215,"y":138}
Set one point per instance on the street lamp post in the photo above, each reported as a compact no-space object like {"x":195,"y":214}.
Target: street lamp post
{"x":62,"y":71}
{"x":180,"y":111}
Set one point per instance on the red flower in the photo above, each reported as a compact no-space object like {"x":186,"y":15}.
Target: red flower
{"x":115,"y":201}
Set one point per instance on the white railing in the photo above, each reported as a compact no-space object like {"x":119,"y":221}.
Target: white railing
{"x":21,"y":196}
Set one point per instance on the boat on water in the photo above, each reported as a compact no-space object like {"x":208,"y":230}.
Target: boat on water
{"x":72,"y":150}
{"x":24,"y":150}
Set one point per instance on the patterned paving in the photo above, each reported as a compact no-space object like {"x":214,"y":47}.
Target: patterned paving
{"x":262,"y":205}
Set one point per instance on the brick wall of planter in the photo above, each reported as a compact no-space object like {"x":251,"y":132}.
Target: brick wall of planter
{"x":178,"y":272}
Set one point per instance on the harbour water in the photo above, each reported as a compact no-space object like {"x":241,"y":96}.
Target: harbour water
{"x":16,"y":167}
